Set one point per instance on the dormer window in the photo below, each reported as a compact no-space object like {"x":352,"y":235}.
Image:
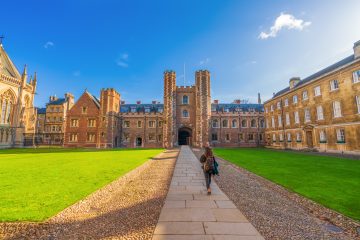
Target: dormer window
{"x":133,"y":109}
{"x":185,"y":99}
{"x":147,"y":109}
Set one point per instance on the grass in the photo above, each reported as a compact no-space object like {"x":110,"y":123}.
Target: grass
{"x":331,"y":181}
{"x":35,"y":184}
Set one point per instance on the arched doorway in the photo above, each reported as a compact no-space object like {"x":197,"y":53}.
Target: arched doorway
{"x":184,"y":136}
{"x":138,"y":142}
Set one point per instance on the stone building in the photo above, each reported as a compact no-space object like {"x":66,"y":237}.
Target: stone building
{"x":51,"y":120}
{"x":17,"y":113}
{"x":94,"y":122}
{"x":186,"y":117}
{"x":319,"y":112}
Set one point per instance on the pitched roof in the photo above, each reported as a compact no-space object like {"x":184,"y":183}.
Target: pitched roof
{"x":234,"y":107}
{"x":124,"y":108}
{"x":95,"y":99}
{"x":58,"y":101}
{"x":320,"y":73}
{"x":41,"y":110}
{"x":7,"y":67}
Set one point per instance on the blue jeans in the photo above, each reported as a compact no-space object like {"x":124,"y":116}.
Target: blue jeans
{"x":208,"y":179}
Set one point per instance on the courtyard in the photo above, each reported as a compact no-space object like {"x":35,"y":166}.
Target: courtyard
{"x":38,"y":183}
{"x":330,"y":181}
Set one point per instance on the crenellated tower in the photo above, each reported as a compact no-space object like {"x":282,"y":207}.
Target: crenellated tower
{"x":169,"y":108}
{"x":203,"y":107}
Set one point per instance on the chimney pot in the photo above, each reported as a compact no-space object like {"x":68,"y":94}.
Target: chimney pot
{"x":138,"y":102}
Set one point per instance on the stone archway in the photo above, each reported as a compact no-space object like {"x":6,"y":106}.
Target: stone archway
{"x":185,"y":136}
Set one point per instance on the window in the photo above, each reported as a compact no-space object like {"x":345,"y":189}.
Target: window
{"x":225,"y":123}
{"x":84,"y":110}
{"x":160,"y":138}
{"x":91,"y":122}
{"x":305,"y":95}
{"x":243,"y":123}
{"x":262,"y":123}
{"x":73,"y":137}
{"x":281,"y":137}
{"x":126,"y":137}
{"x":340,"y":135}
{"x":260,"y":137}
{"x":279,"y":120}
{"x":272,"y":108}
{"x":251,"y":137}
{"x":357,"y":99}
{"x":185,"y":113}
{"x":234,"y":123}
{"x":152,"y":125}
{"x":289,"y":137}
{"x":160,"y":123}
{"x":286,"y":102}
{"x":90,"y":137}
{"x":298,"y":137}
{"x":126,"y":124}
{"x":227,"y":137}
{"x":307,"y":115}
{"x":53,"y":128}
{"x":295,"y":99}
{"x":272,"y":122}
{"x":334,"y":85}
{"x":322,"y":136}
{"x":296,"y":116}
{"x":317,"y":91}
{"x":253,"y":123}
{"x":241,"y":137}
{"x":151,"y":136}
{"x":287,"y":119}
{"x":139,"y":124}
{"x":320,"y":113}
{"x":337,"y":109}
{"x":215,"y":123}
{"x":274,"y":137}
{"x":356,"y":76}
{"x":278,"y":105}
{"x":214,"y":137}
{"x":185,"y":99}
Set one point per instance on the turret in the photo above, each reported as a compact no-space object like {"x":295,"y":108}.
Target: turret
{"x":24,"y":76}
{"x":169,"y":109}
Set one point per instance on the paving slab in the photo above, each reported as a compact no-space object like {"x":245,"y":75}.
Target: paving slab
{"x":190,"y":213}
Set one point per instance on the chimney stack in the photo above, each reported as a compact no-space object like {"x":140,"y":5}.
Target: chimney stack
{"x":237,"y":101}
{"x":122,"y":102}
{"x":154,"y":102}
{"x":216,"y":101}
{"x":138,"y":102}
{"x":357,"y":49}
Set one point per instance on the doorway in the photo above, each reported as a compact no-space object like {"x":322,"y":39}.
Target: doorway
{"x":309,"y":139}
{"x":138,"y":142}
{"x":184,"y":136}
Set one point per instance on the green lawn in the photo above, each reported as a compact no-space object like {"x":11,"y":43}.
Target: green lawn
{"x":333,"y":182}
{"x":35,"y":184}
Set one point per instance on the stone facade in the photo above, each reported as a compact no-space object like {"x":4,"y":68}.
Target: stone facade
{"x":17,"y":112}
{"x":51,"y":120}
{"x":320,"y":112}
{"x":186,"y":117}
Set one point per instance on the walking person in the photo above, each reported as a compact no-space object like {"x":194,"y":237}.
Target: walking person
{"x":210,"y":166}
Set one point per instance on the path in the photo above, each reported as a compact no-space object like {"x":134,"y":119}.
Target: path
{"x":189,"y":213}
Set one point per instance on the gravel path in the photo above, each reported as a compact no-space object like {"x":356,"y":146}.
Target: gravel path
{"x":128,"y":208}
{"x":274,"y":211}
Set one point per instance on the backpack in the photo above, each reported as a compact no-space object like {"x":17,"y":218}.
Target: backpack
{"x":209,"y":164}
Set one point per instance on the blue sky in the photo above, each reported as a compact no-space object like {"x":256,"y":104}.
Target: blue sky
{"x":74,"y":45}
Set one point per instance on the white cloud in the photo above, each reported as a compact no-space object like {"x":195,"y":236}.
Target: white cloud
{"x":48,"y":44}
{"x":253,"y":62}
{"x":122,"y":61}
{"x":204,"y":61}
{"x":286,"y":21}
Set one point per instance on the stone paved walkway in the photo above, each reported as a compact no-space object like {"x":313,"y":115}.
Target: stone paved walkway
{"x":189,"y":213}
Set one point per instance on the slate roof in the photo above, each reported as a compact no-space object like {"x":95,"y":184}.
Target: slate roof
{"x":124,"y":108}
{"x":8,"y":68}
{"x":326,"y":70}
{"x":59,"y":101}
{"x":41,"y":110}
{"x":234,"y":107}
